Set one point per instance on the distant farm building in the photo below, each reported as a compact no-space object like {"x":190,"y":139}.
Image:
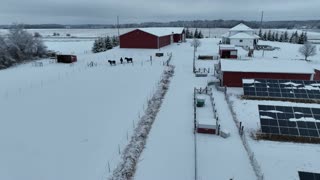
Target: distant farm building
{"x":152,"y":38}
{"x":66,"y":58}
{"x":228,"y":52}
{"x":231,"y":72}
{"x":241,"y":35}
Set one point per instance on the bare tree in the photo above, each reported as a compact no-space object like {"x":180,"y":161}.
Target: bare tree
{"x":195,"y":43}
{"x":308,"y":50}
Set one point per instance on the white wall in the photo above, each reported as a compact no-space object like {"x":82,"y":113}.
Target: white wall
{"x":236,"y":32}
{"x":244,"y":43}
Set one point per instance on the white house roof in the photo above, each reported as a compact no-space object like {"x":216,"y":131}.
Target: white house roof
{"x":241,"y":27}
{"x":163,"y":31}
{"x":227,"y":46}
{"x":244,"y":36}
{"x":267,"y":66}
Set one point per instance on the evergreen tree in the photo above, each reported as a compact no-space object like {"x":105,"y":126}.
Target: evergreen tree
{"x":269,"y":36}
{"x":101,"y":44}
{"x":188,"y":33}
{"x":108,"y":43}
{"x":191,"y":35}
{"x":285,"y":37}
{"x":260,"y":33}
{"x":305,"y":37}
{"x":95,"y":46}
{"x":291,"y":38}
{"x":281,"y":38}
{"x":196,"y":34}
{"x":301,"y":38}
{"x":115,"y":41}
{"x":273,"y":36}
{"x":200,"y":35}
{"x":276,"y":37}
{"x":265,"y":37}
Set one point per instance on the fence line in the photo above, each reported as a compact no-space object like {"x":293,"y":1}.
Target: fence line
{"x":254,"y":163}
{"x":130,"y":155}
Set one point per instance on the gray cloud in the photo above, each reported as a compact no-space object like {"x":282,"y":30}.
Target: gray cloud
{"x":135,"y":11}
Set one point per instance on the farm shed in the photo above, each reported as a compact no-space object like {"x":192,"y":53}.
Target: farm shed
{"x":228,"y":52}
{"x":152,"y":38}
{"x":231,"y":72}
{"x":66,"y":58}
{"x":206,"y":126}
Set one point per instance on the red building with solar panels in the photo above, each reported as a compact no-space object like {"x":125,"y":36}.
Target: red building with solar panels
{"x":232,"y":72}
{"x":152,"y":38}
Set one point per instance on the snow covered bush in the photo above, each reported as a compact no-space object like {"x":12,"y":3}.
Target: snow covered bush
{"x":308,"y":50}
{"x":104,"y":43}
{"x":130,"y":156}
{"x":20,"y":46}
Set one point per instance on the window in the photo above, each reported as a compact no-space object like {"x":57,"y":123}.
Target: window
{"x":241,"y":40}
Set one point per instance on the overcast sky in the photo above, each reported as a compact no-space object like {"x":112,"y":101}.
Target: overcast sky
{"x":136,"y":11}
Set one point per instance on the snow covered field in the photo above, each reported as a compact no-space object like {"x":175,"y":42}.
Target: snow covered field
{"x":68,"y":122}
{"x":92,"y":33}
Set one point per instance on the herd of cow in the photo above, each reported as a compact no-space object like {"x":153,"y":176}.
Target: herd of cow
{"x":113,"y":62}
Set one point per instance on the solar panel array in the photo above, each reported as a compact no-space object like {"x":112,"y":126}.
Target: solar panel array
{"x":290,"y":121}
{"x":294,"y":89}
{"x":309,"y":176}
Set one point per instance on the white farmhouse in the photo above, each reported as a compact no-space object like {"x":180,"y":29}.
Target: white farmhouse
{"x":241,"y":35}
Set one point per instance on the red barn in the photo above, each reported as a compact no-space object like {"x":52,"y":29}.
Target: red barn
{"x":66,"y":58}
{"x":151,"y":38}
{"x":228,"y":52}
{"x":231,"y":72}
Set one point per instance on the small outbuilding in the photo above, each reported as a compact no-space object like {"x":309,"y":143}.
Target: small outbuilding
{"x":232,"y":72}
{"x":66,"y":58}
{"x":206,"y":126}
{"x":152,"y":38}
{"x":228,"y":52}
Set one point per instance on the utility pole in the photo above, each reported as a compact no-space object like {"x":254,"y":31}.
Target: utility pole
{"x":261,"y":21}
{"x":118,"y":26}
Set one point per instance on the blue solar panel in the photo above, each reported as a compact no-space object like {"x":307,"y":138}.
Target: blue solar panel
{"x":309,"y":176}
{"x":284,"y":89}
{"x":290,"y":121}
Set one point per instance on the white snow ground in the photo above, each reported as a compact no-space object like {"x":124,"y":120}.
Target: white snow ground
{"x":67,"y":122}
{"x":71,"y":119}
{"x":278,"y":160}
{"x":169,"y":152}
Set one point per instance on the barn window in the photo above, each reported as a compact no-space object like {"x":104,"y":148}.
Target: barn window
{"x":241,"y":40}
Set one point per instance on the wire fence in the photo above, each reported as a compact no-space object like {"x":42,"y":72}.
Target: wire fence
{"x":254,"y":163}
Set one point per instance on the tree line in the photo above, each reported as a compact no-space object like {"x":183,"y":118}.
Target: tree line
{"x":197,"y":34}
{"x":19,"y":46}
{"x":105,"y":43}
{"x":219,"y":23}
{"x":295,"y":37}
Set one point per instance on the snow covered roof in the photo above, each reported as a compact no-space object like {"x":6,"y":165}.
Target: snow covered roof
{"x":244,"y":36}
{"x":157,"y":31}
{"x":227,"y":46}
{"x":241,"y":27}
{"x":265,"y":66}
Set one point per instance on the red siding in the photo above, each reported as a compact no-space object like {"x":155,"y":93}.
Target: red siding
{"x":206,"y":131}
{"x":234,"y":79}
{"x":164,"y":41}
{"x":317,"y":75}
{"x":66,"y":58}
{"x":226,"y":54}
{"x":138,"y":39}
{"x":177,"y":38}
